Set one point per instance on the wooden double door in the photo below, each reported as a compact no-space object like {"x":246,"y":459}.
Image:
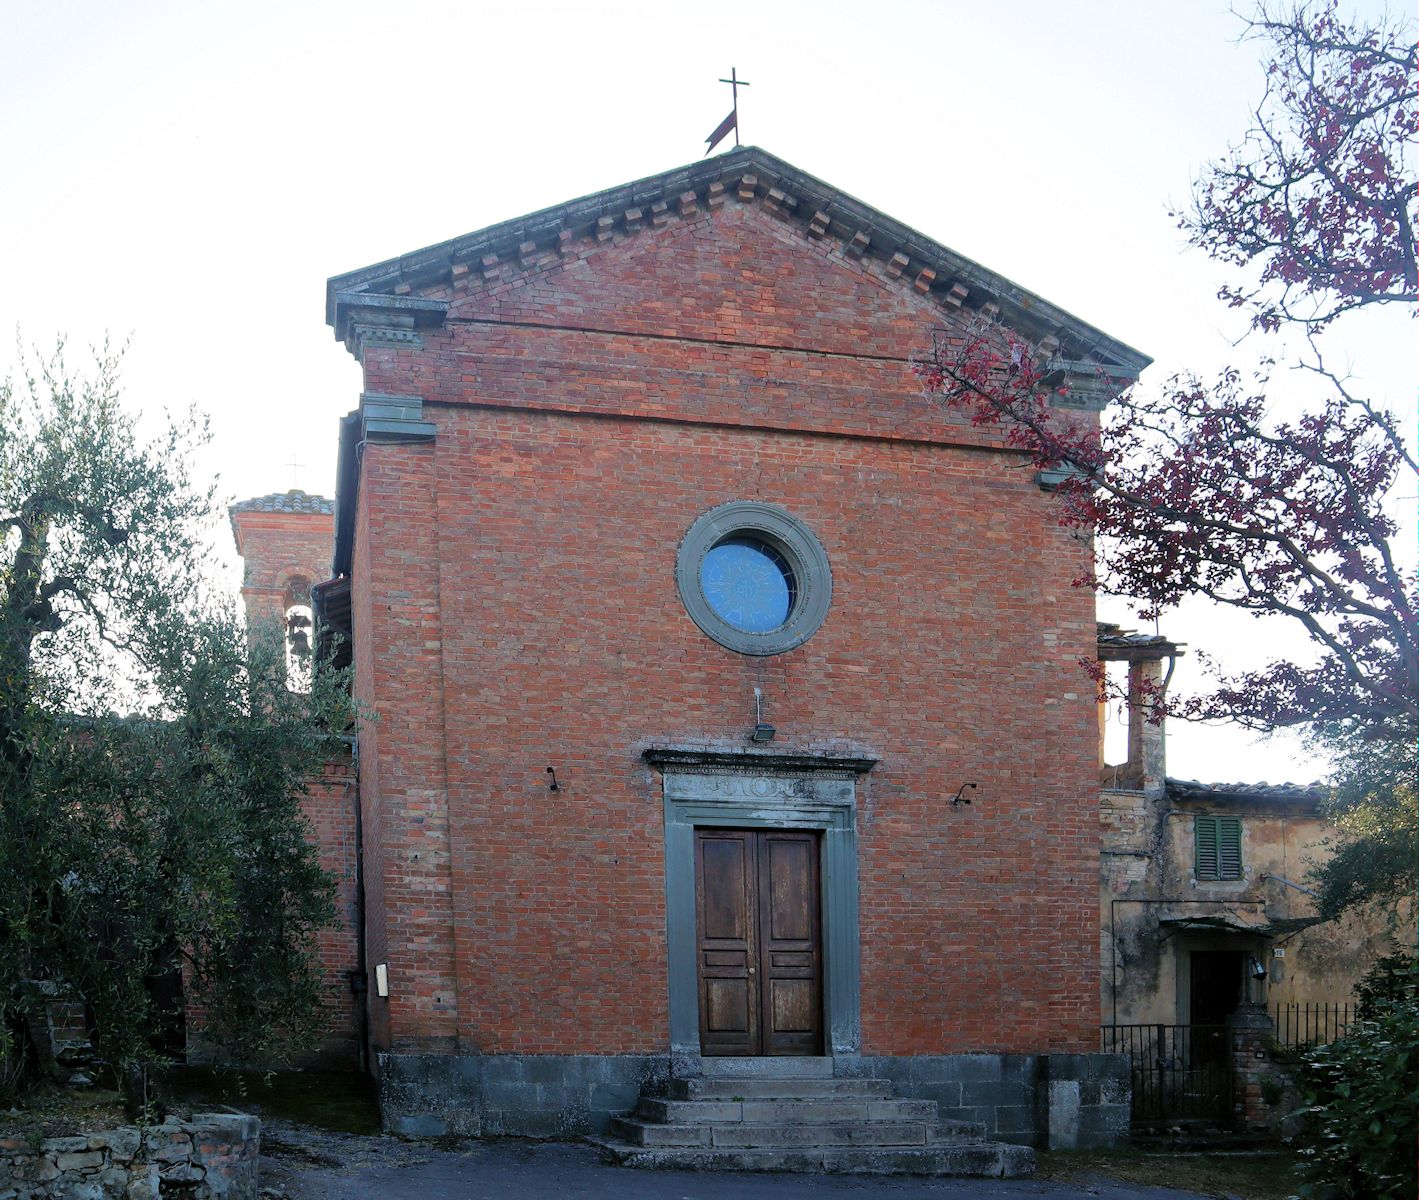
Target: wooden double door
{"x":759,"y":941}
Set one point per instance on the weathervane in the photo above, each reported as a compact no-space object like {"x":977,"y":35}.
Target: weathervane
{"x":721,"y":131}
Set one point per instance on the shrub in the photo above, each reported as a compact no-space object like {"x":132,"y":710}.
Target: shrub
{"x":1361,"y":1096}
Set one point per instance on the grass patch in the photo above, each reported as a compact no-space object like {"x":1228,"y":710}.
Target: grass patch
{"x":342,"y":1102}
{"x":1251,"y":1176}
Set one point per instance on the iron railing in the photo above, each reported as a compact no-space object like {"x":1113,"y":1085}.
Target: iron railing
{"x":1311,"y":1024}
{"x":1179,"y":1071}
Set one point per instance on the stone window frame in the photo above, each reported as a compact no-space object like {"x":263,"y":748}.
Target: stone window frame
{"x":813,"y":577}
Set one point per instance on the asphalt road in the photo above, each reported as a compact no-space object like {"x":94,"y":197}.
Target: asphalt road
{"x":300,"y":1166}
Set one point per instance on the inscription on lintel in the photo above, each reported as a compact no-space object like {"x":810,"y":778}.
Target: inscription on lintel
{"x":791,"y":789}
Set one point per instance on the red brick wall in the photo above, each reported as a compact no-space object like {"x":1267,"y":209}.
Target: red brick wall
{"x":516,"y":608}
{"x":330,"y":809}
{"x":277,"y":547}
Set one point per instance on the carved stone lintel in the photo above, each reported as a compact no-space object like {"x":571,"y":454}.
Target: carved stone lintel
{"x":737,"y":762}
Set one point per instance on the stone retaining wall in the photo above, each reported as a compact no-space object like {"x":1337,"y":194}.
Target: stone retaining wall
{"x":212,"y":1157}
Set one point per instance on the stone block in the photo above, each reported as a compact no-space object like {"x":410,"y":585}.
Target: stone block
{"x":946,"y":1095}
{"x":64,"y":1145}
{"x":170,"y":1146}
{"x":508,"y":1094}
{"x":502,"y":1069}
{"x":529,"y":1123}
{"x":181,"y":1172}
{"x":1014,"y":1119}
{"x":419,"y":1125}
{"x":968,"y":1113}
{"x":614,"y":1097}
{"x":1116,"y":1091}
{"x":961,"y":1067}
{"x":549,"y":1068}
{"x":38,"y":1170}
{"x":1063,"y":1114}
{"x":123,"y":1143}
{"x":992,"y":1094}
{"x":79,"y":1160}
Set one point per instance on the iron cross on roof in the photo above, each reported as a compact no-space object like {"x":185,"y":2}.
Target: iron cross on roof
{"x":735,"y":83}
{"x":731,"y":121}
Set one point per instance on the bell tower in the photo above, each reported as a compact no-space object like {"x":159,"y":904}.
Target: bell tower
{"x":285,"y":541}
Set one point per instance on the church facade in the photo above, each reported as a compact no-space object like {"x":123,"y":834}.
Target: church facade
{"x":724,"y":692}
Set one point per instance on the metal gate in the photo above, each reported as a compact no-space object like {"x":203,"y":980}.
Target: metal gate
{"x":1180,"y":1072}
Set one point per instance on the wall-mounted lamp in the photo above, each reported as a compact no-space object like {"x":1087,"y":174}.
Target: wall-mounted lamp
{"x":762,"y":731}
{"x":1258,"y":971}
{"x":554,"y":786}
{"x":960,"y":797}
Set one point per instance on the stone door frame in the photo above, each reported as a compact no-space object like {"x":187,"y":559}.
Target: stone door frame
{"x":763,"y":791}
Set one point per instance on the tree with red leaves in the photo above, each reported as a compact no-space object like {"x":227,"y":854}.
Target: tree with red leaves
{"x":1320,"y":195}
{"x":1200,"y":489}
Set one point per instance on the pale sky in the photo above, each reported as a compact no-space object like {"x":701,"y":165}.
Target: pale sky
{"x":190,"y":174}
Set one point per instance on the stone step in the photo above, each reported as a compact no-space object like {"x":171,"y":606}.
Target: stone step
{"x":778,"y":1110}
{"x":786,"y":1089}
{"x":768,"y":1136}
{"x":821,"y":1134}
{"x":945,"y":1157}
{"x":785,"y":1067}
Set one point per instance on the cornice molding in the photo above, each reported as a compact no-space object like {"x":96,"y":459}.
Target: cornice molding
{"x":746,"y":176}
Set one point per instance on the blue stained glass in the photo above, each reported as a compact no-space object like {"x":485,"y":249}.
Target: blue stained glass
{"x":749,"y":584}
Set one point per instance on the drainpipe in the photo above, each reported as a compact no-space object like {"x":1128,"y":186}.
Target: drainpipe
{"x":359,"y":981}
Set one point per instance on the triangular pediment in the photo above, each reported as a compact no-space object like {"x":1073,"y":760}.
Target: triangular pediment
{"x":806,"y":227}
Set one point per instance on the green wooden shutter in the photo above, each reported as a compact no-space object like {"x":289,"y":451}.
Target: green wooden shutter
{"x":1219,"y":846}
{"x":1204,"y":829}
{"x":1229,"y":848}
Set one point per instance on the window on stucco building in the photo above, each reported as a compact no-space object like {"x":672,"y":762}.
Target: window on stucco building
{"x":1219,"y":846}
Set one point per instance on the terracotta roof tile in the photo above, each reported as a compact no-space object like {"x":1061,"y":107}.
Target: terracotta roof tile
{"x":294,"y":501}
{"x":1191,"y":789}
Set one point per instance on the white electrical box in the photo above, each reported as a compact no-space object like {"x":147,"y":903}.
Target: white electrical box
{"x":381,"y":980}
